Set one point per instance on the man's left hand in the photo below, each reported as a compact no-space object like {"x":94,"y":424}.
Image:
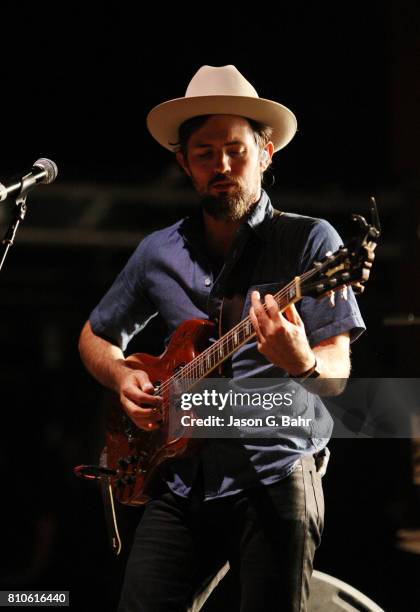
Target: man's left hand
{"x":281,"y":336}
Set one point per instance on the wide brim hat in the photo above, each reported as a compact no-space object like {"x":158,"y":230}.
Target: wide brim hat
{"x":220,"y":91}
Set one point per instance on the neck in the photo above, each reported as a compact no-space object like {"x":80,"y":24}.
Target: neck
{"x":220,"y":235}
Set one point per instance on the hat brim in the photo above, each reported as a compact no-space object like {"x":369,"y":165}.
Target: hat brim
{"x":164,"y":120}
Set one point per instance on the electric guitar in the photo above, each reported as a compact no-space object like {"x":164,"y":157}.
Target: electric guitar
{"x":132,"y":455}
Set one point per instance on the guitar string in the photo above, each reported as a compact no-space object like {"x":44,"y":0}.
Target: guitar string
{"x":197,"y":371}
{"x":192,"y":369}
{"x":243,"y":327}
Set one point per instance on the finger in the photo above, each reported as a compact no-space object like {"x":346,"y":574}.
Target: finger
{"x":272,"y":307}
{"x":143,"y":418}
{"x":292,"y":315}
{"x":264,"y":322}
{"x":145,"y":382}
{"x":140,"y":384}
{"x":140,"y":398}
{"x":255,"y":325}
{"x":256,"y":299}
{"x":145,"y":414}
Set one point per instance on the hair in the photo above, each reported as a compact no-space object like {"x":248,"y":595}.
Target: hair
{"x":262,"y":133}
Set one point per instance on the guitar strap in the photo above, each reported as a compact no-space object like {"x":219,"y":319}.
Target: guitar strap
{"x":236,"y":288}
{"x":109,"y":507}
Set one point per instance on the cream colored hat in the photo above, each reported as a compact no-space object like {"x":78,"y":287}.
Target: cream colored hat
{"x":220,"y":91}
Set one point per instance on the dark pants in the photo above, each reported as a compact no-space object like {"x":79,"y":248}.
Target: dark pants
{"x":269,"y":535}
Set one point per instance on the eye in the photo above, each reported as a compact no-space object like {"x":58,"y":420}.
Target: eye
{"x":204,"y":155}
{"x":236,"y":152}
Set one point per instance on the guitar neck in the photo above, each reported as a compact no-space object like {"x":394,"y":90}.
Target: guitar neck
{"x":216,"y":354}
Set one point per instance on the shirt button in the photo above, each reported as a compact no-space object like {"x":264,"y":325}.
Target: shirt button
{"x":207,"y":282}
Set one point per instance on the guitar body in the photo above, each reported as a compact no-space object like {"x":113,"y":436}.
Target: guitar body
{"x":134,"y":454}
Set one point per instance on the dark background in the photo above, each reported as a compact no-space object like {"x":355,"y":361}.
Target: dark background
{"x":76,"y":86}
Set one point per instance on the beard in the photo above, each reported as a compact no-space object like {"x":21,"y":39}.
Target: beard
{"x":228,"y":206}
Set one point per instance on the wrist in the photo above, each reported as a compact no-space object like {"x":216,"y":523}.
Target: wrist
{"x":118,"y":371}
{"x":312,"y":372}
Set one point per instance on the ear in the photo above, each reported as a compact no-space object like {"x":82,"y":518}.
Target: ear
{"x":183,"y":163}
{"x":266,"y":155}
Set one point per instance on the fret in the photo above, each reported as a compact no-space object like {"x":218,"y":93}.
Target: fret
{"x":182,"y":378}
{"x":229,"y":345}
{"x":186,"y":384}
{"x":283,"y":302}
{"x":291,"y":293}
{"x":248,"y":327}
{"x":235,"y":338}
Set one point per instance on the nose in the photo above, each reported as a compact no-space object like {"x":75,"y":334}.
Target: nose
{"x":222,"y":163}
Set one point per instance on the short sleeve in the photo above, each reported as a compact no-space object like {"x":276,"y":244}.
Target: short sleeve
{"x":126,"y":308}
{"x":323,"y":319}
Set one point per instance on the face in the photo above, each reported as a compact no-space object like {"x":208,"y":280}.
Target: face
{"x":225,"y":165}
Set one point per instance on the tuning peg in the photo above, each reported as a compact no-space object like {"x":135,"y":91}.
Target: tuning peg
{"x":358,"y":288}
{"x":361,"y":221}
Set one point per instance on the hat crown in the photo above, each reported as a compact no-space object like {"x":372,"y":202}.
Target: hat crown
{"x":219,"y":81}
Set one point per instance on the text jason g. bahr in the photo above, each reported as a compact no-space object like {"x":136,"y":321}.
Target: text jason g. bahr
{"x":269,"y":421}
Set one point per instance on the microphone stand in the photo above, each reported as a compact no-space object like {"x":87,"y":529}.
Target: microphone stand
{"x":18,"y":216}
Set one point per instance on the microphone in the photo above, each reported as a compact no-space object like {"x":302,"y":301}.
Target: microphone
{"x":43,"y":171}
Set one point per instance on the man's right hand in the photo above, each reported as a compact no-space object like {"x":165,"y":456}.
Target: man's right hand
{"x":137,"y":399}
{"x":106,"y":362}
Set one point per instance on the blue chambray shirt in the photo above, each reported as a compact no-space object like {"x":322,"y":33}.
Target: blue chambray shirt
{"x":171,"y":274}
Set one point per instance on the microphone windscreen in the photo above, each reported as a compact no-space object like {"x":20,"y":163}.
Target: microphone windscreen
{"x":50,"y":168}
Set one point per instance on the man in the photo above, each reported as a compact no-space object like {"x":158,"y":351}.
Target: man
{"x":257,"y":502}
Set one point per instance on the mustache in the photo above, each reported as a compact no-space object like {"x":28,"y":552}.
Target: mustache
{"x":222,"y":178}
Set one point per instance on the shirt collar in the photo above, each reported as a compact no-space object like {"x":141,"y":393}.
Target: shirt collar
{"x":192,"y":227}
{"x":263,"y":211}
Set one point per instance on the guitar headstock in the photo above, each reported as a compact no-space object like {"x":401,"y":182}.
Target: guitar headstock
{"x":349,"y":265}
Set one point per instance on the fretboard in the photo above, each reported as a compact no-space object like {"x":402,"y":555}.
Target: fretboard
{"x":211,"y":358}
